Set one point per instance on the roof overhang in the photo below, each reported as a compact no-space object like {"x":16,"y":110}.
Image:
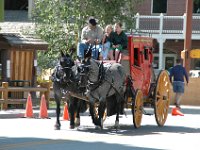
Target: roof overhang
{"x":21,"y":42}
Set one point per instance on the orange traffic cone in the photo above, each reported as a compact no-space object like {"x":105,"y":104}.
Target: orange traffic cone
{"x":29,"y":109}
{"x":65,"y":112}
{"x":176,"y":112}
{"x":43,"y":108}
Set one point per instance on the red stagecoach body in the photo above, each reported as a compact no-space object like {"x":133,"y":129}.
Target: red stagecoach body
{"x":146,"y":89}
{"x":140,"y":60}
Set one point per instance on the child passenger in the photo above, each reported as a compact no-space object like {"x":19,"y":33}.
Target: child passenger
{"x":107,"y":41}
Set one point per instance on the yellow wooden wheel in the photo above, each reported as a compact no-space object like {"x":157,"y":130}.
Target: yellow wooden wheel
{"x":162,"y":98}
{"x":137,"y":109}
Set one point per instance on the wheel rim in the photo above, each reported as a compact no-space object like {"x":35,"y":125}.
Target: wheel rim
{"x":137,"y":107}
{"x":162,"y":98}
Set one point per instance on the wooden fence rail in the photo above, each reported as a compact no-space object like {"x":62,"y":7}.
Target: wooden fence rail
{"x":44,"y":88}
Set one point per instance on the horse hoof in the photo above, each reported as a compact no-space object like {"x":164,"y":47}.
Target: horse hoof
{"x":71,"y":126}
{"x":57,"y":127}
{"x":77,"y":122}
{"x":97,"y":127}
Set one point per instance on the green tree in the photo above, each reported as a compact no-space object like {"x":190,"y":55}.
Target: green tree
{"x":1,"y":10}
{"x":59,"y":22}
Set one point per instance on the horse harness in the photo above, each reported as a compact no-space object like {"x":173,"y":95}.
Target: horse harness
{"x":101,"y":80}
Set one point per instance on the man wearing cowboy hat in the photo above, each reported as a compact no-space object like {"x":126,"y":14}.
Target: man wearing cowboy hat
{"x":91,"y":35}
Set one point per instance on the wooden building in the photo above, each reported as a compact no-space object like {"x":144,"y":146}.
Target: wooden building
{"x":18,"y":59}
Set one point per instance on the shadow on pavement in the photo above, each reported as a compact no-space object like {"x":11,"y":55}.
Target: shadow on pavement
{"x":41,"y":144}
{"x":129,"y":130}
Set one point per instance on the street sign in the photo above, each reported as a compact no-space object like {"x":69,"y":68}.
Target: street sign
{"x":195,"y":53}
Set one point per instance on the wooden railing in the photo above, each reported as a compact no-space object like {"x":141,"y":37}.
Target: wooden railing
{"x":167,"y":27}
{"x":44,"y":88}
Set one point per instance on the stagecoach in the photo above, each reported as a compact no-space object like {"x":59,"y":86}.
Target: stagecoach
{"x":136,"y":86}
{"x":145,"y":90}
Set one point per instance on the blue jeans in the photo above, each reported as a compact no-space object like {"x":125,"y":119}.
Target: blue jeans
{"x":105,"y":49}
{"x":82,"y":47}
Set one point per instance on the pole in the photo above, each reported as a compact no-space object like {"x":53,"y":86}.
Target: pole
{"x":187,"y":41}
{"x":1,"y":10}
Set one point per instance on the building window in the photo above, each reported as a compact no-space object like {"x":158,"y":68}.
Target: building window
{"x":16,"y":4}
{"x":155,"y":62}
{"x":196,"y":6}
{"x":0,"y":67}
{"x":0,"y":72}
{"x":159,"y":6}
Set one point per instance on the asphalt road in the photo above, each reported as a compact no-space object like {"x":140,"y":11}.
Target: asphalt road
{"x":179,"y":133}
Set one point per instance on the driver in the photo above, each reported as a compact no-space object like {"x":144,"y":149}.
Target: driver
{"x":91,"y":35}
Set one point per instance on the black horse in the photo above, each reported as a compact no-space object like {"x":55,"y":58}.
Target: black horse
{"x":66,"y":79}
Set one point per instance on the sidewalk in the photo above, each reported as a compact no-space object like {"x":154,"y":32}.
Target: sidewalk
{"x":19,"y":113}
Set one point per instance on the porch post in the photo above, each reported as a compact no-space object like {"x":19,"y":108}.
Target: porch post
{"x":161,"y":42}
{"x":188,"y":35}
{"x":137,"y":26}
{"x":30,"y":8}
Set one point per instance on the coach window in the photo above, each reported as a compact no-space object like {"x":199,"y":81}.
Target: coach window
{"x":136,"y":57}
{"x":146,"y":53}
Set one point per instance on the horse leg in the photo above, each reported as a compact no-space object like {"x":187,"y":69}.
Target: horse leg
{"x":57,"y":125}
{"x":117,"y":118}
{"x":71,"y":112}
{"x":118,"y":112}
{"x":101,"y":110}
{"x":77,"y":115}
{"x":92,"y":113}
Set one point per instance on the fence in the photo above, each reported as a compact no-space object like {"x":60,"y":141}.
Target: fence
{"x":44,"y":88}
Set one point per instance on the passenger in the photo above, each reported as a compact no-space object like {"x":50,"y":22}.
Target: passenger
{"x":107,"y":41}
{"x":91,"y":34}
{"x":120,"y":42}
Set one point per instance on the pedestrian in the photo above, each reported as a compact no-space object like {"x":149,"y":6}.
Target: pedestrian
{"x":178,"y":73}
{"x":91,"y":35}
